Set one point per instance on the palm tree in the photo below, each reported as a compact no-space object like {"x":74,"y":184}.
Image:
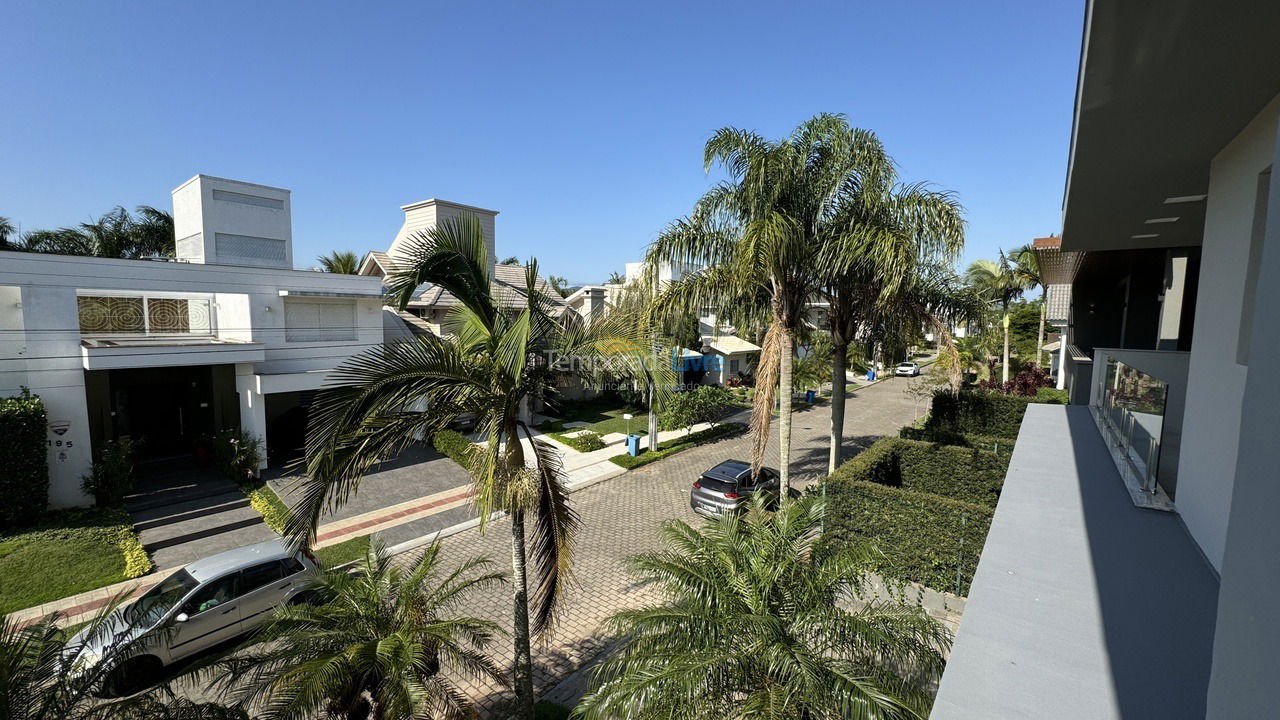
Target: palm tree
{"x":753,"y":622}
{"x":494,"y":360}
{"x":878,"y":236}
{"x":374,"y":643}
{"x":559,"y":284}
{"x":116,"y":234}
{"x":1000,"y":285}
{"x":513,"y":260}
{"x":1026,"y":266}
{"x":756,"y":235}
{"x":7,"y":230}
{"x":46,"y":676}
{"x":616,"y":278}
{"x":340,"y":262}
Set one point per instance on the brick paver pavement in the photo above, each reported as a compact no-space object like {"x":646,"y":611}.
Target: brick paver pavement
{"x":622,"y":516}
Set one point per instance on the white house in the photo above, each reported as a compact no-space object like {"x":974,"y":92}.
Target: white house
{"x":227,"y":334}
{"x":1131,"y":566}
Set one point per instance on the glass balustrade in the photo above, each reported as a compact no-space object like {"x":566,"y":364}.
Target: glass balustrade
{"x":1132,"y":405}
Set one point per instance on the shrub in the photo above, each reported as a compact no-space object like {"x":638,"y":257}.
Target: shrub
{"x":675,"y":445}
{"x":111,"y":476}
{"x":976,"y":412}
{"x":994,"y":443}
{"x":452,"y":444}
{"x":237,"y":454}
{"x":24,"y":484}
{"x":269,"y":505}
{"x":915,"y":536}
{"x":585,"y":441}
{"x":1053,"y":396}
{"x":1025,"y":383}
{"x":960,"y":473}
{"x":702,"y":404}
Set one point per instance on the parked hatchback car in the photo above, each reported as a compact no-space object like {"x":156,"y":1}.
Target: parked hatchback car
{"x":907,"y":369}
{"x":206,"y":603}
{"x":727,"y":488}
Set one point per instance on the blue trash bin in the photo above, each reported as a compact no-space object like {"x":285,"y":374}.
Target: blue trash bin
{"x":808,"y":396}
{"x":871,"y":376}
{"x":633,"y":445}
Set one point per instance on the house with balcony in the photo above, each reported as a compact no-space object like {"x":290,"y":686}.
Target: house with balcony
{"x":227,"y":334}
{"x":1130,"y":570}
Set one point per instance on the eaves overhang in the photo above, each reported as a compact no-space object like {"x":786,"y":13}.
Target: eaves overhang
{"x":1163,"y":87}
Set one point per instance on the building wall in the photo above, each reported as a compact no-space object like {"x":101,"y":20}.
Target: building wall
{"x":1216,"y":381}
{"x":46,"y":355}
{"x":427,"y":214}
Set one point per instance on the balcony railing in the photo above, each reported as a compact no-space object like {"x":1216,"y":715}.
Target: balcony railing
{"x":145,"y":315}
{"x":1132,"y":407}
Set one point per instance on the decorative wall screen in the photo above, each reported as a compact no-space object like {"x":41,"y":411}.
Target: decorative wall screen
{"x":322,"y":321}
{"x":145,"y":315}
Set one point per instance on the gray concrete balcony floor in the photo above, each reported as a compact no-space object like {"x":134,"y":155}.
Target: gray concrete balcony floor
{"x":1083,"y":606}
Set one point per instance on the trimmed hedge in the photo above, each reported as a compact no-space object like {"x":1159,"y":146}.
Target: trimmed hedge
{"x":976,"y":412}
{"x":993,"y":443}
{"x":915,"y":536}
{"x":24,"y":484}
{"x":268,"y":504}
{"x":960,"y":473}
{"x":584,"y":442}
{"x":453,"y":445}
{"x":675,"y":445}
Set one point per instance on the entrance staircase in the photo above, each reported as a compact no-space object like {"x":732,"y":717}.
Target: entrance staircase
{"x":184,"y":512}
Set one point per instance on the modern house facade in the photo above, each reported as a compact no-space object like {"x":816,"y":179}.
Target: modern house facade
{"x":1130,"y":570}
{"x":225,"y":335}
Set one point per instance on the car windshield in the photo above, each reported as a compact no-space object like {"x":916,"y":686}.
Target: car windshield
{"x":159,"y":600}
{"x":906,"y":365}
{"x":717,"y":485}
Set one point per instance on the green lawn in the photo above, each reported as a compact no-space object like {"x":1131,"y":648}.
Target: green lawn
{"x":68,"y":552}
{"x":604,"y":416}
{"x":344,"y":552}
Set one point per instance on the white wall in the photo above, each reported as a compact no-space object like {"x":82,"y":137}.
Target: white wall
{"x":247,"y":215}
{"x":428,"y":213}
{"x":1216,"y":382}
{"x":49,"y":359}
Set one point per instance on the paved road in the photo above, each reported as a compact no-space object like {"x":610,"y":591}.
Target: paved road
{"x":622,"y":516}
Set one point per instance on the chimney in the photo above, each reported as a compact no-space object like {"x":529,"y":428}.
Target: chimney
{"x":228,"y":222}
{"x":428,"y":213}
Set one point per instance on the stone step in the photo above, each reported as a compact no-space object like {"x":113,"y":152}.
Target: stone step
{"x":171,"y":513}
{"x":199,"y":526}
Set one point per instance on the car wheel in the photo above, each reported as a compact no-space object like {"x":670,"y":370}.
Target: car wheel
{"x":133,"y":675}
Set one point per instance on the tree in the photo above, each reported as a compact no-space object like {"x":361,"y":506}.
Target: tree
{"x":117,"y":234}
{"x":513,"y":260}
{"x":559,"y":284}
{"x":756,"y":235}
{"x":877,"y":238}
{"x":493,"y":361}
{"x":45,"y":675}
{"x":372,"y":644}
{"x":616,"y":278}
{"x":341,"y":262}
{"x":7,"y":231}
{"x":702,"y":404}
{"x":754,"y":623}
{"x":1000,"y":285}
{"x":1026,"y":267}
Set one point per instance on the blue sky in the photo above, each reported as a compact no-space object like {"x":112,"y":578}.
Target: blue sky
{"x":583,"y":123}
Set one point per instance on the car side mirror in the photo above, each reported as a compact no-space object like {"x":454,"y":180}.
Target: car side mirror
{"x":181,"y":617}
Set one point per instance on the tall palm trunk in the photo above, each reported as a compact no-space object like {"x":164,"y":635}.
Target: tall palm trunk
{"x":1004,"y":363}
{"x":523,"y":662}
{"x":1044,"y":299}
{"x":784,"y":412}
{"x":839,"y":361}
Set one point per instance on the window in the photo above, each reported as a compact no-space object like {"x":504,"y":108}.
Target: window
{"x":733,"y":366}
{"x":102,"y":314}
{"x":319,"y":320}
{"x":218,"y":592}
{"x":260,"y":576}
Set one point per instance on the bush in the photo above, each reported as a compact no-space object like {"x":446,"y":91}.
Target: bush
{"x":675,"y":445}
{"x":915,"y":536}
{"x":237,"y":454}
{"x":1053,"y":396}
{"x":24,"y":484}
{"x":269,"y":505}
{"x":111,"y":476}
{"x":585,"y":441}
{"x":702,"y":404}
{"x":1026,"y":382}
{"x":976,"y":412}
{"x":960,"y":473}
{"x":994,"y":443}
{"x":452,"y":444}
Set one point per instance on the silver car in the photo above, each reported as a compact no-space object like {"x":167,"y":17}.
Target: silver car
{"x":907,"y":369}
{"x":208,"y":602}
{"x":727,"y":488}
